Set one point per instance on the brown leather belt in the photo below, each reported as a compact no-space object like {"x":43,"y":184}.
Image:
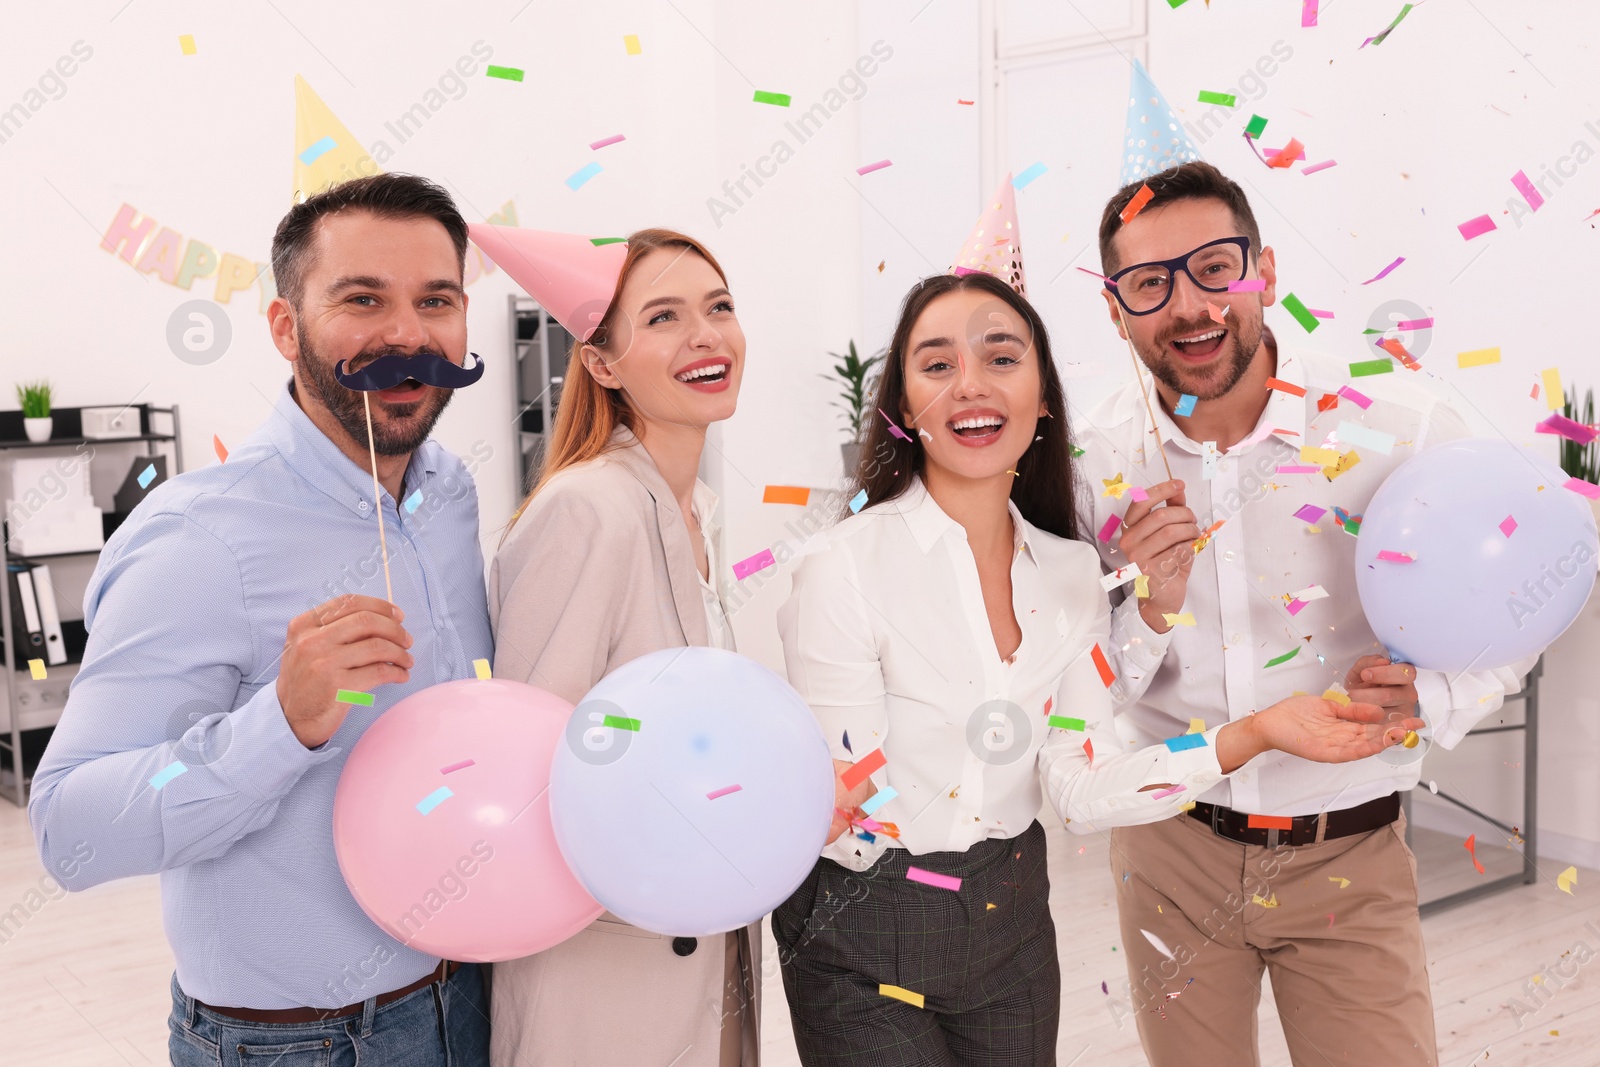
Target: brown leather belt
{"x":1273,"y":830}
{"x":445,"y":969}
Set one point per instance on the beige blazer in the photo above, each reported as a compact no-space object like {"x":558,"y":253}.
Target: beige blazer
{"x":599,"y":570}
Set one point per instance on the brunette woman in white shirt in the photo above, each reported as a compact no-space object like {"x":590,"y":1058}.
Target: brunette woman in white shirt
{"x":958,"y":625}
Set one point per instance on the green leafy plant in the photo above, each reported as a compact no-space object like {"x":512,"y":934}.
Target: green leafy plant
{"x":35,"y":400}
{"x":1580,"y":461}
{"x":855,"y":378}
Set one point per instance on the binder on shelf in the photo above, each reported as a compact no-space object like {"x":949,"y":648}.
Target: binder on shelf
{"x":44,"y":591}
{"x":28,"y":638}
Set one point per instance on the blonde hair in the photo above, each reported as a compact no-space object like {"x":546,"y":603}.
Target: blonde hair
{"x":588,"y":412}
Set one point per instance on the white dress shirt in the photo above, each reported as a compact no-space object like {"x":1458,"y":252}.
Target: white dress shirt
{"x":1240,"y":589}
{"x":886,"y":637}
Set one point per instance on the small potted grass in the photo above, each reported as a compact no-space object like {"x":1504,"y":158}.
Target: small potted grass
{"x":35,"y":400}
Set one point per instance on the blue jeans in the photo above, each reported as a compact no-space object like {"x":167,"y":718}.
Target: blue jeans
{"x":440,"y":1025}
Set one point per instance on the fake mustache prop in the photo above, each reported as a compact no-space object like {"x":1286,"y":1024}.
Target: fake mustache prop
{"x":391,"y":369}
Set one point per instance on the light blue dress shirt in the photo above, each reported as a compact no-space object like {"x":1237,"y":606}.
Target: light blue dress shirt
{"x":187,"y":612}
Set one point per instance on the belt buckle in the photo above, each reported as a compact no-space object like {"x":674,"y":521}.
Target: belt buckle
{"x":1216,"y":819}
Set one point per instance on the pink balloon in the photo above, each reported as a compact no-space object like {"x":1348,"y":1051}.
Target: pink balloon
{"x":441,"y":823}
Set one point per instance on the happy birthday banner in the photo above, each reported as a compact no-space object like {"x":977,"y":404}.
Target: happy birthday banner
{"x":326,"y":153}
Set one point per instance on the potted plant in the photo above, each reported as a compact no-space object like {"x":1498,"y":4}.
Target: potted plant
{"x":1581,"y":461}
{"x":855,"y":379}
{"x":35,"y":400}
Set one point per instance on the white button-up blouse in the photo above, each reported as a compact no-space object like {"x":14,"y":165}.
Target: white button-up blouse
{"x":886,"y":637}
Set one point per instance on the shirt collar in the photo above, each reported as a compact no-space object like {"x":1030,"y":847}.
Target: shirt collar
{"x":1284,"y":417}
{"x":928,"y":522}
{"x":319,"y":461}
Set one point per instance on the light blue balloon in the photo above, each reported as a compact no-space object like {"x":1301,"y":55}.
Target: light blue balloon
{"x":635,"y":812}
{"x":1475,"y":598}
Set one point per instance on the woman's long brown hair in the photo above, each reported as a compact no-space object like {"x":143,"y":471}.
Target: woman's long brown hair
{"x":1045,"y":488}
{"x":588,"y":412}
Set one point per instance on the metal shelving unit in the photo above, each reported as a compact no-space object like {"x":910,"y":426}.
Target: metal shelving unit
{"x":1529,"y":695}
{"x":24,"y":707}
{"x":541,"y":346}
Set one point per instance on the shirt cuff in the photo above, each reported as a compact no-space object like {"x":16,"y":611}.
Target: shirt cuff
{"x":1198,"y":768}
{"x":1433,"y":706}
{"x":1140,"y":644}
{"x":264,"y":758}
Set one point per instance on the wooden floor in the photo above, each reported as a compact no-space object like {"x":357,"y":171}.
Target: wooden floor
{"x":84,"y":980}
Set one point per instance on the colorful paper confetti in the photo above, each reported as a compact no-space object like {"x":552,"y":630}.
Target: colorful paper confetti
{"x":775,"y":99}
{"x":453,"y":767}
{"x":858,"y":501}
{"x":434,"y":799}
{"x":913,"y":999}
{"x":186,"y":43}
{"x":724,"y":791}
{"x":595,"y":146}
{"x":1225,"y":99}
{"x":1248,"y":285}
{"x":480,"y":668}
{"x":1136,"y":205}
{"x":167,"y":774}
{"x":1293,"y":306}
{"x":317,"y":149}
{"x":933,"y":878}
{"x":1476,"y":227}
{"x":758,"y":562}
{"x":1285,"y":658}
{"x":36,"y":670}
{"x":1185,"y":405}
{"x":351,"y":696}
{"x":1187,"y":741}
{"x":1471,"y":845}
{"x":1478,"y":357}
{"x":619,"y":722}
{"x":1033,"y":171}
{"x":579,"y":177}
{"x":1384,"y":273}
{"x":863,"y":768}
{"x":630,"y":41}
{"x":870,"y":167}
{"x":785,"y":494}
{"x":510,"y":74}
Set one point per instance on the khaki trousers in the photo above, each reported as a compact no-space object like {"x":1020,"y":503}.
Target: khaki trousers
{"x":1349,"y":972}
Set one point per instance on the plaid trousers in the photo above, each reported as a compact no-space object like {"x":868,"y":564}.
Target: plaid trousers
{"x":983,"y":958}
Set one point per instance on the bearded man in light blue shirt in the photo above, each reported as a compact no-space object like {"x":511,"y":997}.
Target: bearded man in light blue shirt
{"x":202,"y":739}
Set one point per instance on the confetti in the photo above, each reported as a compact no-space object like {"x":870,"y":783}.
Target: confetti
{"x":938,"y":881}
{"x":1285,"y":387}
{"x":1529,"y":193}
{"x":1566,"y":880}
{"x":1344,"y":883}
{"x":1287,"y":154}
{"x":1109,"y":530}
{"x":1265,"y":902}
{"x":1293,"y":306}
{"x":630,"y":41}
{"x":1269,"y":822}
{"x":724,"y":791}
{"x":1033,"y":171}
{"x":186,"y":43}
{"x":870,"y":167}
{"x":1197,"y":726}
{"x":1476,"y":227}
{"x":1361,"y":400}
{"x":1114,"y":487}
{"x":1187,"y":741}
{"x":1478,"y":357}
{"x":36,"y":670}
{"x":167,"y":774}
{"x":1136,"y":205}
{"x":1582,"y":488}
{"x":1286,"y":657}
{"x":1369,"y":367}
{"x":1324,"y":165}
{"x":434,"y":799}
{"x":1163,"y":794}
{"x":1308,"y":14}
{"x":1141,"y":587}
{"x":595,"y":146}
{"x":1248,"y":285}
{"x":510,"y":74}
{"x":775,"y":99}
{"x":863,"y":768}
{"x":1471,"y":845}
{"x":1310,"y":513}
{"x":846,"y":741}
{"x":1353,"y":433}
{"x":758,"y":562}
{"x":1411,"y":739}
{"x":1552,"y":387}
{"x":579,"y":177}
{"x":913,"y":999}
{"x":1387,"y":30}
{"x":1384,"y":273}
{"x":1065,"y":722}
{"x":1414,"y":324}
{"x":413,"y":501}
{"x":968,"y":103}
{"x":1208,"y":459}
{"x":618,"y":722}
{"x":1255,"y":127}
{"x":1508,"y":526}
{"x":480,"y":668}
{"x":350,"y":696}
{"x":1297,"y":468}
{"x":1184,"y":619}
{"x":1225,"y":99}
{"x":858,"y":501}
{"x":879,"y":799}
{"x":1185,"y":405}
{"x":1159,"y":945}
{"x":1120,"y":576}
{"x":1391,"y":556}
{"x":463,"y":765}
{"x":1328,"y":402}
{"x":1218,"y":315}
{"x":1102,"y":666}
{"x":222,"y":453}
{"x":1342,"y":699}
{"x":317,"y":149}
{"x":894,"y":430}
{"x":785,"y":494}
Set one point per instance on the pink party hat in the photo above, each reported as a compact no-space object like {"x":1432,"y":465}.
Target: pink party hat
{"x":573,"y":277}
{"x":994,"y":246}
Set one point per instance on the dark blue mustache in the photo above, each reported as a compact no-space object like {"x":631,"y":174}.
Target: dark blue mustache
{"x":390,"y":369}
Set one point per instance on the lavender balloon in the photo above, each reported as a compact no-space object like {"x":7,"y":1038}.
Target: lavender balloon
{"x":1504,"y":556}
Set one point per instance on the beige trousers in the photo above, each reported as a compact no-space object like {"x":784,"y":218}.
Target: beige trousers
{"x":1334,"y":922}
